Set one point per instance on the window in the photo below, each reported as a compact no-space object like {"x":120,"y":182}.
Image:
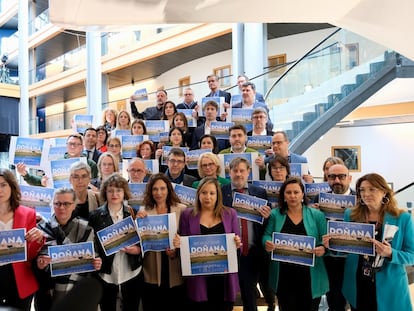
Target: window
{"x":182,"y":84}
{"x":224,"y":73}
{"x":275,"y":61}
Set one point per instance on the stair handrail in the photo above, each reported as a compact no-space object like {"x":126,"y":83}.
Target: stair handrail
{"x":299,"y":60}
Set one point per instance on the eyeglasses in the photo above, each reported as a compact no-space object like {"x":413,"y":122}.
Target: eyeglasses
{"x":339,"y":176}
{"x":74,"y":144}
{"x":134,"y":171}
{"x":64,"y":204}
{"x":207,"y":165}
{"x":278,"y":168}
{"x":79,"y":177}
{"x":117,"y":191}
{"x":114,"y":146}
{"x":368,"y":190}
{"x":173,"y":162}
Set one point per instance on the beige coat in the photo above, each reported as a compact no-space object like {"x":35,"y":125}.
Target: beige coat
{"x":152,"y":260}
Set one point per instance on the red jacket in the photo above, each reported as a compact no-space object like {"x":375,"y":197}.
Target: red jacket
{"x":26,"y":282}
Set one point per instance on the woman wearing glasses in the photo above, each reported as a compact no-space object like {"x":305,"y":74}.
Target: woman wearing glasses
{"x":379,"y":282}
{"x":86,"y":199}
{"x":61,"y":229}
{"x":278,"y":168}
{"x":17,"y":280}
{"x":209,"y":166}
{"x":122,"y":269}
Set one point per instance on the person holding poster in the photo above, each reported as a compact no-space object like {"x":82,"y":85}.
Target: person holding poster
{"x":59,"y":230}
{"x":210,"y":216}
{"x":297,"y":287}
{"x":380,"y":282}
{"x":122,"y":269}
{"x":163,"y":282}
{"x":17,"y":280}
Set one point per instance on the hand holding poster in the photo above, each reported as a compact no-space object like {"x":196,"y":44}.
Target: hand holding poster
{"x":208,"y":254}
{"x":117,"y":236}
{"x":293,"y":248}
{"x":12,"y":246}
{"x":351,"y":237}
{"x":157,"y":232}
{"x":71,"y":258}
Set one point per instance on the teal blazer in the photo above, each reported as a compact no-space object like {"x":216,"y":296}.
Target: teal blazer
{"x":391,"y":281}
{"x":315,"y":225}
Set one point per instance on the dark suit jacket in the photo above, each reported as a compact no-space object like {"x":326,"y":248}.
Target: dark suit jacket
{"x":100,"y":219}
{"x":226,"y":95}
{"x":95,"y":156}
{"x":254,"y":191}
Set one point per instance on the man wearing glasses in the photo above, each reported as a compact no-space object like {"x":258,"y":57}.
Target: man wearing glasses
{"x":176,"y":168}
{"x":74,"y":148}
{"x":259,"y":120}
{"x":280,"y":147}
{"x":136,"y":171}
{"x":188,"y":102}
{"x":339,"y":180}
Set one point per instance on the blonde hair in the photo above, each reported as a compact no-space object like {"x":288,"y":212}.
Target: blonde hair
{"x":212,"y":157}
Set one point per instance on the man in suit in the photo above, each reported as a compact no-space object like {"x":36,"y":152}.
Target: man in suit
{"x":280,"y":147}
{"x":176,"y":168}
{"x":249,"y":101}
{"x":213,"y":85}
{"x":90,"y":137}
{"x":242,"y":79}
{"x":210,"y":111}
{"x":339,"y":180}
{"x":251,"y":257}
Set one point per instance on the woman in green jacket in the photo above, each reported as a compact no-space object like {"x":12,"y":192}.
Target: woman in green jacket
{"x":297,"y":287}
{"x":209,"y":166}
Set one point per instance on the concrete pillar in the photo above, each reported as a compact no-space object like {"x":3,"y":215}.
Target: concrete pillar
{"x":94,"y":75}
{"x":23,"y":59}
{"x":237,"y":51}
{"x":254,"y":37}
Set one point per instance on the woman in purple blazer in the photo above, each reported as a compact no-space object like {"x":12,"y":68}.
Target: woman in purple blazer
{"x":209,"y":216}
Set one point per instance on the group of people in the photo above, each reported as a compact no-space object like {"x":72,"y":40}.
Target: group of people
{"x":99,"y":194}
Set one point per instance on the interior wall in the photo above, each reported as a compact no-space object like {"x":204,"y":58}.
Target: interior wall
{"x":385,"y":149}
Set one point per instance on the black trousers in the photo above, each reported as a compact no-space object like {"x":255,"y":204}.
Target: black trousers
{"x":335,"y":269}
{"x":248,"y":278}
{"x":131,"y":291}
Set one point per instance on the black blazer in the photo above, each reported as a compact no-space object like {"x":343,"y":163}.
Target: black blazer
{"x":100,"y":219}
{"x":254,"y":191}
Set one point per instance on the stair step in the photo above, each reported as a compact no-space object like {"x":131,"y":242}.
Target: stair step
{"x":361,"y":78}
{"x":334,"y":98}
{"x":346,"y":89}
{"x":375,"y":67}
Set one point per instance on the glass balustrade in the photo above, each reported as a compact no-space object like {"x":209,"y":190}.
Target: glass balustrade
{"x":310,"y":87}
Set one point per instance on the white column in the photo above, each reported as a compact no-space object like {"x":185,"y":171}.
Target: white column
{"x":94,"y":75}
{"x":254,"y":38}
{"x":23,"y":59}
{"x":237,"y":51}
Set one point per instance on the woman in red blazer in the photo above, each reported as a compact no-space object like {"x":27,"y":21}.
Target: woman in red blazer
{"x":18,"y":283}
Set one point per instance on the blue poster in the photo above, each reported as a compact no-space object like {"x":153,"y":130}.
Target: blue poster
{"x":12,"y":246}
{"x":313,"y":189}
{"x":334,"y":205}
{"x":117,"y":236}
{"x":27,"y":150}
{"x":293,"y":248}
{"x":187,"y":195}
{"x":137,"y":195}
{"x":156,"y":232}
{"x":351,"y":237}
{"x":71,"y":258}
{"x":208,"y":254}
{"x":272,"y":189}
{"x":248,"y":207}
